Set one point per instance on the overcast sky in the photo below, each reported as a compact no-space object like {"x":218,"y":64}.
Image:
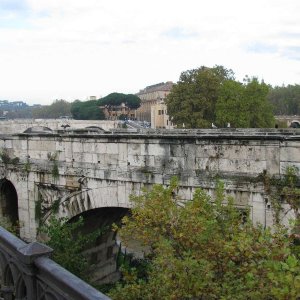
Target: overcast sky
{"x":72,"y":49}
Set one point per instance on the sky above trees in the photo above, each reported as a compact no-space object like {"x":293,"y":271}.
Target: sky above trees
{"x":72,"y":49}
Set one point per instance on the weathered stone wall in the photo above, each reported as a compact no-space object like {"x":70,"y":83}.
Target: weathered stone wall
{"x":86,"y":172}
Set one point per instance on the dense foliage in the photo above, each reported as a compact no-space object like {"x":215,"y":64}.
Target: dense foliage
{"x":244,"y":105}
{"x":285,"y":99}
{"x":24,"y":113}
{"x":212,"y":95}
{"x":6,"y":223}
{"x":55,"y":110}
{"x":204,"y":249}
{"x":86,"y":110}
{"x":193,"y":99}
{"x":114,"y":99}
{"x":68,"y":243}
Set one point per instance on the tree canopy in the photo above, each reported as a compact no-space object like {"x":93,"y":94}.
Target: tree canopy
{"x":204,"y":249}
{"x":285,"y":99}
{"x":86,"y":110}
{"x":193,"y":99}
{"x":212,"y":95}
{"x":244,"y":105}
{"x":130,"y":100}
{"x":55,"y":110}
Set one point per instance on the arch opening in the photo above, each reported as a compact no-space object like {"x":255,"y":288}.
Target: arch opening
{"x":103,"y":253}
{"x":9,"y":202}
{"x":295,"y":124}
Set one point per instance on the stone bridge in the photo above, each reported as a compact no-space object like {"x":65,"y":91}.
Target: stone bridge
{"x":93,"y":173}
{"x":21,"y":125}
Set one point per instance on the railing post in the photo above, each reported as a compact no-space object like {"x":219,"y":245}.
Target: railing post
{"x":27,"y":272}
{"x":27,"y":256}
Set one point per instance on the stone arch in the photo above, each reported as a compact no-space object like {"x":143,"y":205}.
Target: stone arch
{"x":95,"y":128}
{"x":100,"y":206}
{"x":38,"y":129}
{"x":8,"y":201}
{"x":295,"y":124}
{"x":86,"y":199}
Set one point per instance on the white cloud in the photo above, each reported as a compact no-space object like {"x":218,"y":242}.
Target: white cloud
{"x":75,"y":48}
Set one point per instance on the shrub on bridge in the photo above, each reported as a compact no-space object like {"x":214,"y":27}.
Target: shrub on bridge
{"x":204,"y":249}
{"x":68,"y":243}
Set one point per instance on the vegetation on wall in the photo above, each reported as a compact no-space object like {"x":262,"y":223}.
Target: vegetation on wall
{"x":6,"y":159}
{"x":27,"y":166}
{"x":285,"y":190}
{"x":53,"y":158}
{"x":205,"y":249}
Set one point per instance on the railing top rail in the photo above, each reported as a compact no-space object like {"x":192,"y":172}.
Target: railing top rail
{"x":71,"y":286}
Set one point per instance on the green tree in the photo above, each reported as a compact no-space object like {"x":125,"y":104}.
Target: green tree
{"x":6,"y":223}
{"x":86,"y":110}
{"x":193,"y":99}
{"x":244,"y":105}
{"x":285,"y":99}
{"x":24,"y":113}
{"x":115,"y":99}
{"x":260,"y":110}
{"x":68,"y":243}
{"x":55,"y":110}
{"x":286,"y":189}
{"x":204,"y":249}
{"x":231,"y":107}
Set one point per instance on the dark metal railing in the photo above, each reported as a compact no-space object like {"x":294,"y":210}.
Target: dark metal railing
{"x":27,"y":273}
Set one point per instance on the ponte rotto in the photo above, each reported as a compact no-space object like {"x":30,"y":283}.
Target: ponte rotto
{"x":92,"y":172}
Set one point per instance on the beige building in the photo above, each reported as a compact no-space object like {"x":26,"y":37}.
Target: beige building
{"x":160,"y":117}
{"x":114,"y":112}
{"x":150,"y":96}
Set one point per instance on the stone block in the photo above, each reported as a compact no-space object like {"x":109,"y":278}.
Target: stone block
{"x":159,"y":150}
{"x":134,"y":149}
{"x":290,"y":154}
{"x":89,"y":147}
{"x":177,"y":150}
{"x":112,"y":148}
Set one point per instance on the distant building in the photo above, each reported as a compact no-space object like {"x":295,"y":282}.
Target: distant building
{"x":160,"y":117}
{"x":115,"y":112}
{"x":12,"y":106}
{"x":150,"y":96}
{"x":93,"y":98}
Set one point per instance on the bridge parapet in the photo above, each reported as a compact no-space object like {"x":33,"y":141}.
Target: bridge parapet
{"x":27,"y":272}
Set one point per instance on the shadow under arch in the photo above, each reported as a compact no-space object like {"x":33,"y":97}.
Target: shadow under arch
{"x":295,"y":124}
{"x":102,"y":254}
{"x":8,"y":201}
